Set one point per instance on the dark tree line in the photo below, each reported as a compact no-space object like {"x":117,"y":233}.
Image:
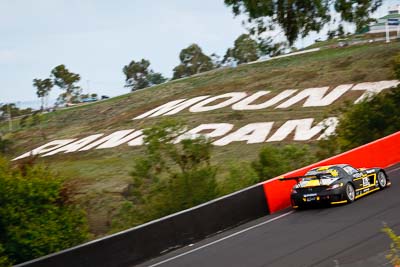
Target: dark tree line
{"x":193,"y":60}
{"x":11,"y":110}
{"x":300,"y":17}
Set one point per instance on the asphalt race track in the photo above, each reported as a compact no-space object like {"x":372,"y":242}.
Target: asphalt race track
{"x":346,"y":235}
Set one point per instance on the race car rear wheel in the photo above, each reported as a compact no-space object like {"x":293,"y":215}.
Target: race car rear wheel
{"x":382,"y":180}
{"x":350,"y":193}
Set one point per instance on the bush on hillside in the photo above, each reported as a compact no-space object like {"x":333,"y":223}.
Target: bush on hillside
{"x":367,"y":121}
{"x":241,"y":175}
{"x":5,"y":144}
{"x":273,"y":161}
{"x":373,"y":118}
{"x":4,"y":260}
{"x":396,"y":66}
{"x":169,"y":177}
{"x":35,"y":216}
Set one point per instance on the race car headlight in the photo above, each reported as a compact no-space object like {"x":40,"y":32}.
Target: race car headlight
{"x":335,"y":186}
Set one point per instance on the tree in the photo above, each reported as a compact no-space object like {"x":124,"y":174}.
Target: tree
{"x":43,"y":88}
{"x":170,"y":176}
{"x":357,"y":11}
{"x":193,"y":61}
{"x":229,"y":59}
{"x":338,"y":32}
{"x":396,"y":66}
{"x":273,"y":161}
{"x":155,"y":78}
{"x":36,"y":216}
{"x":267,"y":46}
{"x":216,"y":60}
{"x":136,"y":73}
{"x":11,"y":110}
{"x":241,"y":175}
{"x":183,"y":170}
{"x":245,"y":50}
{"x":8,"y":110}
{"x":5,"y":144}
{"x":379,"y":114}
{"x":4,"y":260}
{"x":300,"y":17}
{"x":66,"y":81}
{"x":139,"y":76}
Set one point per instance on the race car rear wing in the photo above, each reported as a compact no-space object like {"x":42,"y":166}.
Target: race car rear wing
{"x":317,"y":176}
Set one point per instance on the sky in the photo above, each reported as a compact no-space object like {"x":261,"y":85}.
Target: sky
{"x":96,"y":38}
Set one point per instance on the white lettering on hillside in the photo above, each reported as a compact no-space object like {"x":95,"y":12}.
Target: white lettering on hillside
{"x":137,"y":141}
{"x":171,"y":108}
{"x":372,"y":88}
{"x":329,"y":126}
{"x":232,"y":98}
{"x":113,"y":140}
{"x":302,"y":128}
{"x":213,"y":130}
{"x":251,"y":133}
{"x":72,"y":147}
{"x":313,"y":97}
{"x":245,"y":104}
{"x":46,"y":148}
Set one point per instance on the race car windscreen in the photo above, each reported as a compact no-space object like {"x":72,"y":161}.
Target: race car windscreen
{"x":326,"y":173}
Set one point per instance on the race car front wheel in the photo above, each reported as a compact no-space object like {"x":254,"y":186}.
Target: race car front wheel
{"x":382,"y":181}
{"x":350,"y":193}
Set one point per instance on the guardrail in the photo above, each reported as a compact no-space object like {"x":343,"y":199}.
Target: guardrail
{"x":157,"y":237}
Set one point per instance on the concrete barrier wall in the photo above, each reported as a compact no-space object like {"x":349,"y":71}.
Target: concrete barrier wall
{"x":150,"y":240}
{"x":380,"y":153}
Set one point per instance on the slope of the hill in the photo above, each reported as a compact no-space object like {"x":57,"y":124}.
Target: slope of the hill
{"x":99,"y":177}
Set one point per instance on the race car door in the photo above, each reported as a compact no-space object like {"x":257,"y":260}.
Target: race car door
{"x":357,"y":177}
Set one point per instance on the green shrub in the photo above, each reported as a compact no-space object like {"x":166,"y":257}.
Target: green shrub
{"x":128,"y":215}
{"x":4,"y":261}
{"x":373,"y":118}
{"x":396,"y":66}
{"x":273,"y":161}
{"x":241,"y":175}
{"x":5,"y":144}
{"x":369,"y":120}
{"x":169,"y":177}
{"x":35,"y":217}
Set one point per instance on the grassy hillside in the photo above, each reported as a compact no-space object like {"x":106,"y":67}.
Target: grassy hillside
{"x":100,"y":177}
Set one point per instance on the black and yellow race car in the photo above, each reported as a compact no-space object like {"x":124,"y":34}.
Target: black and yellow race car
{"x":335,"y":184}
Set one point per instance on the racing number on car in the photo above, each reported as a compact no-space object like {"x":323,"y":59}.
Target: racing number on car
{"x":365,"y":182}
